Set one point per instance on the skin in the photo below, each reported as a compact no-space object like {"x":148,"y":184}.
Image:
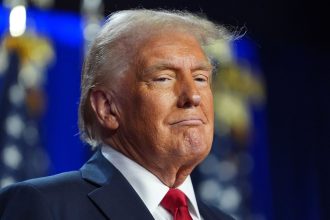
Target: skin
{"x":160,"y":113}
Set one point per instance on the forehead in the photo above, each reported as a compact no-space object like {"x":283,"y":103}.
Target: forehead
{"x":171,"y":47}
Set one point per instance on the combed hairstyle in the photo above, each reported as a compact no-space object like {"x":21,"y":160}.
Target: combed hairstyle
{"x":112,"y":51}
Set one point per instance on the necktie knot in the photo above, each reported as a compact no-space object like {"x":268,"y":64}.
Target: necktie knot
{"x":175,"y":202}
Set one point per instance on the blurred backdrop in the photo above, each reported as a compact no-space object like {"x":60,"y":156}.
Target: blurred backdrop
{"x":272,"y":142}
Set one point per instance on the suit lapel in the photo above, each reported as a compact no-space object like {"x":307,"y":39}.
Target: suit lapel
{"x":209,"y":213}
{"x":114,"y":196}
{"x":204,"y":212}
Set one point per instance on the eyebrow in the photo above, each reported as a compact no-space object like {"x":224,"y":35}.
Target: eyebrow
{"x":164,"y":65}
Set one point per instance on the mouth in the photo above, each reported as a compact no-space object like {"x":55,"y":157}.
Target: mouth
{"x":188,"y":122}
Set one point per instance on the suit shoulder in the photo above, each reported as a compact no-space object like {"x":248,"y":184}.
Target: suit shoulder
{"x":57,"y":180}
{"x":68,"y":183}
{"x":44,"y":182}
{"x":43,"y":196}
{"x":54,"y":187}
{"x":18,"y":200}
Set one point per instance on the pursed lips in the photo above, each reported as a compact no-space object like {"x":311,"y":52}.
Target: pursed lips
{"x":193,"y":121}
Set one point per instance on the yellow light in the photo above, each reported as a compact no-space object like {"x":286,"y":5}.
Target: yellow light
{"x":17,"y":21}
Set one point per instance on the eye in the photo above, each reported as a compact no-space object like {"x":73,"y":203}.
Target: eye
{"x":201,"y":78}
{"x":162,"y":79}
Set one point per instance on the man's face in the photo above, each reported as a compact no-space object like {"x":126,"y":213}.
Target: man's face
{"x":166,"y":104}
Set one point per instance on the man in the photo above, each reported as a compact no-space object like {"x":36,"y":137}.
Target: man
{"x":146,"y":106}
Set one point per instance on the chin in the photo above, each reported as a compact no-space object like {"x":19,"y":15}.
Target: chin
{"x":194,"y":159}
{"x":198,"y":152}
{"x":197,"y":140}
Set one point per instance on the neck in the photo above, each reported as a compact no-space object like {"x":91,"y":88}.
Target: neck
{"x":171,"y":174}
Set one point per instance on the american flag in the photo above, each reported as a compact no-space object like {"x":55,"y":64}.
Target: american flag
{"x":21,"y":152}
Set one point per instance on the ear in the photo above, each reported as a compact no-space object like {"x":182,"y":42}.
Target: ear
{"x":105,"y":109}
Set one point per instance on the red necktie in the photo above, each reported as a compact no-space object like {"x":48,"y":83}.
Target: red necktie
{"x":175,"y":202}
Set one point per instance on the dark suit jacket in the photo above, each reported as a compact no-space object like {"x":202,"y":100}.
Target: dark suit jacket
{"x":97,"y":191}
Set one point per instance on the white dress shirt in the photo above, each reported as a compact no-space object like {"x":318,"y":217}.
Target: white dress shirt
{"x":150,"y":189}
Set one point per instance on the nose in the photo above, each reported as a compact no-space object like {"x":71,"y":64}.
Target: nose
{"x":189,"y":95}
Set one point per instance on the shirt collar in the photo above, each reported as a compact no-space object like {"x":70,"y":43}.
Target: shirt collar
{"x":149,"y":188}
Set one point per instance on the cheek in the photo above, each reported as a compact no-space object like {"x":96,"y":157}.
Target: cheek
{"x":151,"y":112}
{"x":153,"y":108}
{"x":211,"y":107}
{"x":207,"y":105}
{"x":208,"y":110}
